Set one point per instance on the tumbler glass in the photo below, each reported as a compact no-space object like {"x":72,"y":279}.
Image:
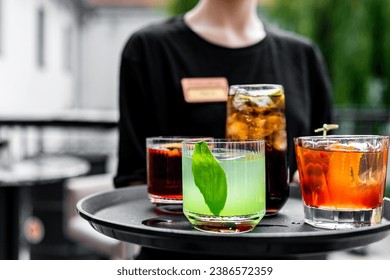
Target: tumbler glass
{"x":342,"y":179}
{"x":164,"y":172}
{"x":224,"y":184}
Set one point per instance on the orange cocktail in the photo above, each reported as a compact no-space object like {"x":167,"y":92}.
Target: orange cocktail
{"x":342,"y":175}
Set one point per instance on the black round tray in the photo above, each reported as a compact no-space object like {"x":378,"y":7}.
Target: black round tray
{"x":126,"y":214}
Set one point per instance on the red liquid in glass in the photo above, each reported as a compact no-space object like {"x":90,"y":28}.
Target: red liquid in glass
{"x":165,"y":173}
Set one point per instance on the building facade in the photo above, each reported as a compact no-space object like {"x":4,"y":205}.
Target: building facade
{"x":64,"y":54}
{"x":38,"y":58}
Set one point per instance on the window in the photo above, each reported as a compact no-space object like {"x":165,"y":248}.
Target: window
{"x":41,"y":38}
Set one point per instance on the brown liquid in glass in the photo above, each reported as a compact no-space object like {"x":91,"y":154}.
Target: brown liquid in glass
{"x":165,"y":174}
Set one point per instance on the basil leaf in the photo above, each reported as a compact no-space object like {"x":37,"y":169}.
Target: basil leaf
{"x":209,"y":177}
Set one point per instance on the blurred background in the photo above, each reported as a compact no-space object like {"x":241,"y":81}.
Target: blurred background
{"x":59,"y":69}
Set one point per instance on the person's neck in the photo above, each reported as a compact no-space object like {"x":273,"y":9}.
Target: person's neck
{"x":230,"y":23}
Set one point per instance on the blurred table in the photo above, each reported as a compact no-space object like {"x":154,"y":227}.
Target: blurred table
{"x":127,"y":214}
{"x":16,"y":180}
{"x":33,"y":168}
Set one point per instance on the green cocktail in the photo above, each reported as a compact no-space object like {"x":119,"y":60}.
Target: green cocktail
{"x":224,"y":184}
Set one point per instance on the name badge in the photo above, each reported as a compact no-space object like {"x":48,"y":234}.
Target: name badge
{"x":197,"y":90}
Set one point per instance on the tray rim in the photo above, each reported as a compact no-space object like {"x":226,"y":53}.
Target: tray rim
{"x":385,"y":225}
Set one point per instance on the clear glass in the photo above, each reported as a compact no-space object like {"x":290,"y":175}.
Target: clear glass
{"x":258,"y":112}
{"x":164,"y":172}
{"x":342,"y":179}
{"x":242,"y":206}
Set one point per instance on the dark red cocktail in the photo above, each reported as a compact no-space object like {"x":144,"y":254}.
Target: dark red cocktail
{"x":164,"y":172}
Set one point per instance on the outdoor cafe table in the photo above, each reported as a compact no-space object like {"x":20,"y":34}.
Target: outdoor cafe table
{"x":16,"y":183}
{"x":126,"y":214}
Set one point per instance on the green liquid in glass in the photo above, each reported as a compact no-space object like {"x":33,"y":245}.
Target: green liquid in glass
{"x":245,"y":185}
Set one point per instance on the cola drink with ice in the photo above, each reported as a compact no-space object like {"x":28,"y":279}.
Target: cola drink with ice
{"x":258,"y":112}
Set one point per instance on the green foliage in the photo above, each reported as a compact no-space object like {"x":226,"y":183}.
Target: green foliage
{"x":177,"y":7}
{"x":354,"y":37}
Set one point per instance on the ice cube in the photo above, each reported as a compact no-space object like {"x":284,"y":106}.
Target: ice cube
{"x":265,"y":92}
{"x":224,"y":155}
{"x":363,"y":147}
{"x":280,"y":140}
{"x":310,"y":144}
{"x":260,"y":128}
{"x":351,"y":146}
{"x":262,"y":101}
{"x":337,"y":146}
{"x":241,"y":101}
{"x":237,"y":130}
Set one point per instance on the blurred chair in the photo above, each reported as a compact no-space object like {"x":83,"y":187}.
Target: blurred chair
{"x":79,"y":229}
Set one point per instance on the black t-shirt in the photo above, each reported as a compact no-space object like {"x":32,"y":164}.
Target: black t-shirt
{"x":157,"y":57}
